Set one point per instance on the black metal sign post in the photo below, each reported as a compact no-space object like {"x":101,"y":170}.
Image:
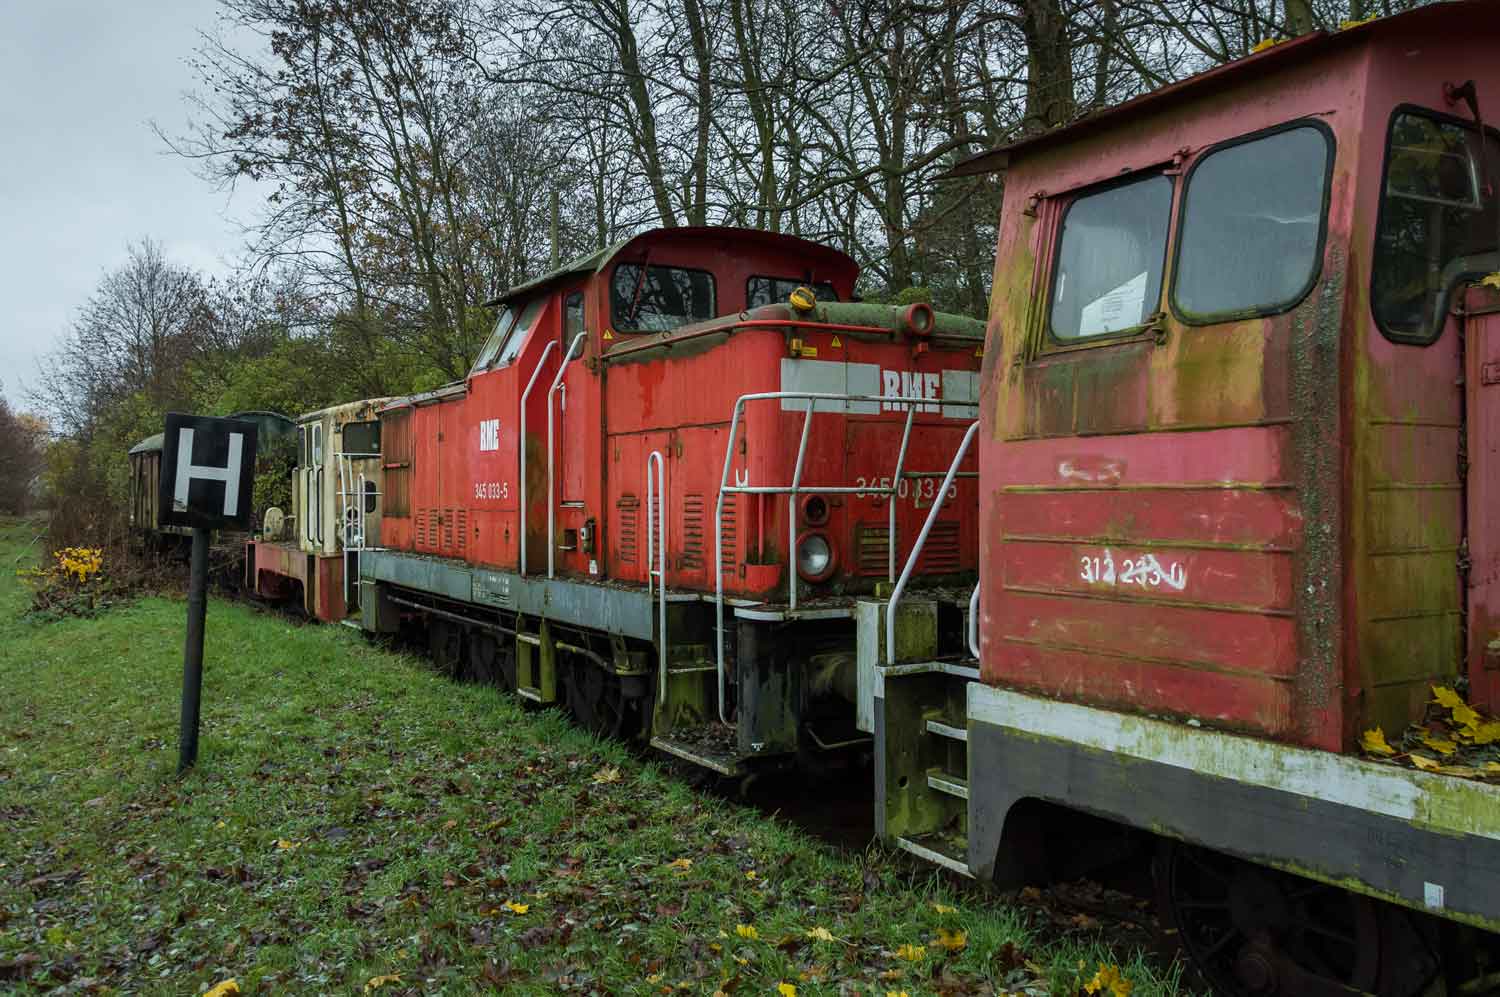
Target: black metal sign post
{"x":206,"y":482}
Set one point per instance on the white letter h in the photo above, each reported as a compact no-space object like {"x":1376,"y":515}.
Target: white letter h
{"x":187,"y":470}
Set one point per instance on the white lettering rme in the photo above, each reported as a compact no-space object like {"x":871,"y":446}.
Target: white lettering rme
{"x":187,"y":471}
{"x":910,"y":384}
{"x":489,"y":434}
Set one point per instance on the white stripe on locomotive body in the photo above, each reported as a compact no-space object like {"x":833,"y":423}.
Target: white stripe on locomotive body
{"x":954,"y":392}
{"x":1442,"y":803}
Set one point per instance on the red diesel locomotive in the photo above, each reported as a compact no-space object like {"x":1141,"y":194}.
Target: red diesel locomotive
{"x":663,"y":518}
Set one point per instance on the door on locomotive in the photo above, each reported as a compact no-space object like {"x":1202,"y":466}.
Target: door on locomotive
{"x":1236,"y":454}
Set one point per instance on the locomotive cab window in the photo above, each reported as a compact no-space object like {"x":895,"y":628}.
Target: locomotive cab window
{"x":775,"y":290}
{"x":1252,"y":225}
{"x":518,"y":331}
{"x":572,"y":317}
{"x":1437,"y":224}
{"x":361,"y":437}
{"x":649,"y":298}
{"x":1107,"y":278}
{"x":503,"y":322}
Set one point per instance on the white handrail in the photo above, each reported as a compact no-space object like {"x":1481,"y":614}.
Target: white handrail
{"x":562,"y":369}
{"x":973,"y":622}
{"x":656,"y":547}
{"x":911,"y":559}
{"x":796,"y":488}
{"x":521,"y":443}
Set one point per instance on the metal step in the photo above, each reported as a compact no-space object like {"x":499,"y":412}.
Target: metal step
{"x":944,"y":727}
{"x":950,"y":784}
{"x":946,"y":850}
{"x":526,"y":692}
{"x":705,"y":746}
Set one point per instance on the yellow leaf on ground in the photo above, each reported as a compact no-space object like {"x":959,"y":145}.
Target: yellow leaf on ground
{"x":943,"y":908}
{"x":750,"y":875}
{"x":1108,"y":981}
{"x":681,"y":865}
{"x":1425,"y":764}
{"x":786,"y":990}
{"x":1441,"y":745}
{"x":1466,"y":716}
{"x":820,"y":934}
{"x":1374,"y":743}
{"x":953,"y":941}
{"x":897,"y":993}
{"x":608,"y":773}
{"x":224,"y":989}
{"x":912,"y":953}
{"x":1446,"y":697}
{"x":746,"y":931}
{"x":516,"y":908}
{"x":1487,"y":733}
{"x":1491,"y":768}
{"x":1493,"y":280}
{"x":1459,"y":771}
{"x":287,"y":846}
{"x":376,"y":982}
{"x":654,"y":978}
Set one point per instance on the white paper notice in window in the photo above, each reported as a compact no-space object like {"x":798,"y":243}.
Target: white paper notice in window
{"x":1118,"y":309}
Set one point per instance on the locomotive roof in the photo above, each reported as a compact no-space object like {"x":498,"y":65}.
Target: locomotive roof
{"x":599,"y":259}
{"x":264,"y":420}
{"x":1453,"y":15}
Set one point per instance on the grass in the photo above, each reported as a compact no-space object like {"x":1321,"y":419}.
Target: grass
{"x":357,"y":822}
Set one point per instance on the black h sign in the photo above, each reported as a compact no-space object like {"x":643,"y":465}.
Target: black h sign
{"x":207,"y":472}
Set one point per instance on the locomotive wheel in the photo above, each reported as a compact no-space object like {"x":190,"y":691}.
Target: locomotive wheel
{"x":596,"y":698}
{"x":490,"y":663}
{"x":446,"y":641}
{"x":1256,"y":932}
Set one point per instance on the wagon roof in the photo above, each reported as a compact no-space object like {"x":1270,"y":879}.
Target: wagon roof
{"x":1453,"y":15}
{"x":264,"y":418}
{"x":598,"y":260}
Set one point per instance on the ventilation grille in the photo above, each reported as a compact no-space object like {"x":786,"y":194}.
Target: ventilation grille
{"x":692,"y":532}
{"x":940,"y":555}
{"x":629,"y":541}
{"x":730,"y":530}
{"x":425,"y":529}
{"x":461,"y":529}
{"x":872,"y":549}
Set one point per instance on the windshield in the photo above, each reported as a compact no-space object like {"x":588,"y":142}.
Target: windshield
{"x":1437,"y":222}
{"x":657,"y":299}
{"x":497,"y":337}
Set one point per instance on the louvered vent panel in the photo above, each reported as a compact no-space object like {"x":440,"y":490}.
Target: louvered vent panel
{"x":461,"y":529}
{"x":629,"y":542}
{"x":692,"y":532}
{"x":872,"y":550}
{"x":731,"y":533}
{"x":448,"y":529}
{"x":940,"y":555}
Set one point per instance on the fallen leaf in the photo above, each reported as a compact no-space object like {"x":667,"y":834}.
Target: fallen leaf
{"x":1109,"y":981}
{"x":1374,"y":743}
{"x":750,"y":875}
{"x":1459,"y":771}
{"x":897,"y":993}
{"x":1493,"y":280}
{"x":376,"y":982}
{"x":820,"y":934}
{"x":953,"y":941}
{"x":943,"y":908}
{"x":1466,"y":716}
{"x":1441,"y":745}
{"x":654,"y":978}
{"x":786,"y":990}
{"x":912,"y":953}
{"x":681,"y":865}
{"x":1425,"y":764}
{"x":224,"y":989}
{"x":284,"y":845}
{"x":607,"y":774}
{"x":516,"y":908}
{"x":746,"y":931}
{"x":1487,"y":733}
{"x":1447,"y":698}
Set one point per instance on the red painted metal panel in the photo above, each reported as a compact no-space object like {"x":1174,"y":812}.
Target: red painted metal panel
{"x":1482,"y":386}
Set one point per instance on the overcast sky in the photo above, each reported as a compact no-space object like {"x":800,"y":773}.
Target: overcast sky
{"x":81,"y":174}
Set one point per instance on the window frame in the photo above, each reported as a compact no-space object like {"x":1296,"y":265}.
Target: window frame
{"x":1052,"y":342}
{"x":609,"y":287}
{"x":1197,"y":319}
{"x":1417,"y":110}
{"x":788,"y":280}
{"x":505,"y":356}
